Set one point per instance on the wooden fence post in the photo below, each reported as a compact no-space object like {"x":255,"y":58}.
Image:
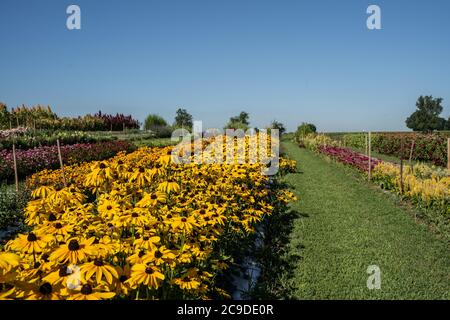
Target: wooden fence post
{"x":61,"y":163}
{"x":367,"y":143}
{"x":401,"y":175}
{"x":411,"y":152}
{"x":448,"y":153}
{"x":16,"y":175}
{"x":370,"y":154}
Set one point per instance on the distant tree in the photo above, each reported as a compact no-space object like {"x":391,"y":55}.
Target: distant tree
{"x":447,"y":124}
{"x":242,"y":118}
{"x":278,"y":125}
{"x":304,"y":129}
{"x":183,"y":119}
{"x":153,"y":120}
{"x":239,"y":122}
{"x":4,"y":116}
{"x":426,"y":117}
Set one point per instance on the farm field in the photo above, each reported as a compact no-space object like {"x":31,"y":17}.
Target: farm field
{"x":345,"y":225}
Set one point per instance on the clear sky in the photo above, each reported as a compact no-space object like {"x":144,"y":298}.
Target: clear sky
{"x":293,"y":61}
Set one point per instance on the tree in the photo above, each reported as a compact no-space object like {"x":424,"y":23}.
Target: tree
{"x":305,"y":129}
{"x":426,"y":117}
{"x":183,"y":119}
{"x":242,"y":117}
{"x":278,"y":125}
{"x":153,"y":121}
{"x":4,"y":116}
{"x":239,"y":122}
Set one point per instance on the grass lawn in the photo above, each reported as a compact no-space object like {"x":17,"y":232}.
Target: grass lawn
{"x":345,"y":225}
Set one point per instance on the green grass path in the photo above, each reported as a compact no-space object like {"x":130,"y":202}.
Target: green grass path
{"x":345,"y":225}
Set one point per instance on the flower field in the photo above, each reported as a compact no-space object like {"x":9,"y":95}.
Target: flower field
{"x":427,"y":188}
{"x":350,"y":157}
{"x":46,"y":157}
{"x":137,"y":226}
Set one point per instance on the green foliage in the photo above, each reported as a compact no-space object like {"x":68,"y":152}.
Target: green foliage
{"x":304,"y":129}
{"x":154,"y":120}
{"x":426,"y":117}
{"x":12,"y":205}
{"x":278,"y":125}
{"x":183,"y":119}
{"x":239,"y":122}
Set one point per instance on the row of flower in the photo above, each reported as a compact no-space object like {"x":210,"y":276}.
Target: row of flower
{"x":46,"y":157}
{"x":349,"y":157}
{"x":25,"y":138}
{"x":426,"y":186}
{"x":41,"y":117}
{"x":425,"y":147}
{"x":137,"y":226}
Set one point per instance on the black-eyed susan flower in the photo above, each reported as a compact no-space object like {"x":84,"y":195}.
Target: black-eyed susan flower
{"x":100,"y":269}
{"x":147,"y":275}
{"x":31,"y":243}
{"x":74,"y":251}
{"x":89,"y":292}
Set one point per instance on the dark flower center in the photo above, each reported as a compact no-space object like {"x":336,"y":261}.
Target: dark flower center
{"x":109,"y":207}
{"x":45,"y":257}
{"x":186,"y":279}
{"x":158,"y":255}
{"x":51,"y":217}
{"x":202,"y":211}
{"x":86,"y":289}
{"x":98,"y":262}
{"x":102,"y":166}
{"x":149,"y":270}
{"x":169,"y":216}
{"x":123,"y":278}
{"x":141,"y":170}
{"x":145,"y":238}
{"x":74,"y":245}
{"x":58,"y":225}
{"x":31,"y":237}
{"x":63,"y":271}
{"x":183,"y":219}
{"x":134,"y":215}
{"x":141,"y":254}
{"x":120,"y":162}
{"x":153,"y":197}
{"x":45,"y":289}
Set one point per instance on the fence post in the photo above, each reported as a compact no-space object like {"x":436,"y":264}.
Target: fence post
{"x":401,"y":175}
{"x":370,"y":154}
{"x":448,"y":153}
{"x":61,"y":163}
{"x":411,"y":152}
{"x":367,"y":143}
{"x":16,"y":175}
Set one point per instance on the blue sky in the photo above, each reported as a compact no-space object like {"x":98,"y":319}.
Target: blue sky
{"x":293,"y":61}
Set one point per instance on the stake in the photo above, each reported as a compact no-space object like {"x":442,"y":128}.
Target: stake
{"x":366,"y":144}
{"x":411,"y":152}
{"x":448,"y":153}
{"x":16,"y":176}
{"x":370,"y":155}
{"x":61,"y":162}
{"x":401,"y":175}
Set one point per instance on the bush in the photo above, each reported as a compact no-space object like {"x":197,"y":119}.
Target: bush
{"x":11,"y":206}
{"x":303,"y":130}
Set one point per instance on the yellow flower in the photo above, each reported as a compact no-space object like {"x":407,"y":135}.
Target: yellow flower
{"x":147,"y":275}
{"x":74,"y":251}
{"x":100,"y":269}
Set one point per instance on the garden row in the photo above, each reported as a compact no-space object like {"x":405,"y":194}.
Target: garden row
{"x":138,"y":226}
{"x":25,"y":138}
{"x":425,"y":186}
{"x":430,"y":147}
{"x":46,"y":157}
{"x":43,"y":118}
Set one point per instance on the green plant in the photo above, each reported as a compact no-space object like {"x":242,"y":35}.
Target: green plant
{"x":426,"y":117}
{"x":12,"y":205}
